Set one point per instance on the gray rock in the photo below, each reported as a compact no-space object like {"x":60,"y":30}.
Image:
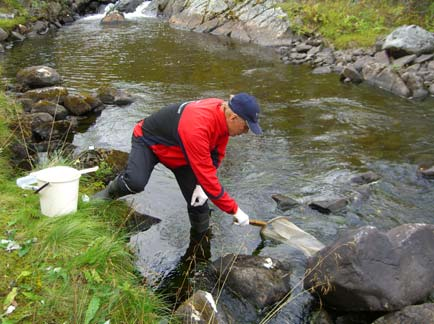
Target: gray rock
{"x":322,"y":70}
{"x":415,"y":84}
{"x":405,"y":60}
{"x":57,"y":111}
{"x":352,"y":73}
{"x":427,"y":172}
{"x":365,"y":178}
{"x":77,"y":105}
{"x":284,"y":203}
{"x":38,"y":77}
{"x":261,"y":281}
{"x":377,"y":74}
{"x":329,"y":206}
{"x":113,"y":18}
{"x":17,"y":36}
{"x":128,"y":5}
{"x":3,"y":35}
{"x":368,"y":270}
{"x":414,"y":314}
{"x":431,"y":89}
{"x":55,"y":94}
{"x":361,"y":62}
{"x":424,"y":58}
{"x":382,"y":58}
{"x":409,"y":39}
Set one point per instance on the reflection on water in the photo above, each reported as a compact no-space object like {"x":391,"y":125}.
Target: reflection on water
{"x":318,"y":132}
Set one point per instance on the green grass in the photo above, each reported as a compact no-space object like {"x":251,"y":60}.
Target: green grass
{"x":348,"y":23}
{"x":71,"y":269}
{"x":15,"y":7}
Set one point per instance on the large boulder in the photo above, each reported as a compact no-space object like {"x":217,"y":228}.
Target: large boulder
{"x":409,"y":40}
{"x":261,"y":281}
{"x":260,"y":22}
{"x":369,"y":270}
{"x":38,"y":77}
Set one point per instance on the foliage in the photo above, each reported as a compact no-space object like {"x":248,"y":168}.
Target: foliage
{"x":349,"y":23}
{"x":71,"y":269}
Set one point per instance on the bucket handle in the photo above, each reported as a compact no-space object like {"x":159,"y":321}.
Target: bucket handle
{"x":95,"y":168}
{"x":37,"y":190}
{"x":28,"y":181}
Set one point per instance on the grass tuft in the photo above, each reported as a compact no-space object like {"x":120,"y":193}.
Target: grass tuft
{"x":347,"y":23}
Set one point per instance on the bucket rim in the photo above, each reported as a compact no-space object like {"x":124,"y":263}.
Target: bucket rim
{"x":58,"y":174}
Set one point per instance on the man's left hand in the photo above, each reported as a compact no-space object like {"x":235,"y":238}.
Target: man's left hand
{"x":199,"y":197}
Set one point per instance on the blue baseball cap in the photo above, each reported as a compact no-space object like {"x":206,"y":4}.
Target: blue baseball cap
{"x":246,"y":106}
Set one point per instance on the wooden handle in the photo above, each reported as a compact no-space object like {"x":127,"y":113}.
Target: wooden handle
{"x":256,"y":222}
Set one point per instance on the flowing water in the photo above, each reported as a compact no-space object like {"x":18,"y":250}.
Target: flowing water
{"x":318,"y":132}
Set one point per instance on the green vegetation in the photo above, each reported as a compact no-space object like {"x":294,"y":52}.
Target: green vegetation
{"x":12,"y":7}
{"x":70,"y":269}
{"x":356,"y":23}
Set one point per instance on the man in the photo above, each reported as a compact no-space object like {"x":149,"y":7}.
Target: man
{"x":190,"y":139}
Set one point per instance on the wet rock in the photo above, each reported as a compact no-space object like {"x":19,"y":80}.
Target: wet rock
{"x":54,"y":94}
{"x":3,"y":35}
{"x":128,"y":5}
{"x":17,"y":36}
{"x":93,"y":101}
{"x":329,"y":206}
{"x":322,"y":70}
{"x":431,"y":89}
{"x":415,"y":84}
{"x":57,"y":111}
{"x":351,"y":73}
{"x":109,"y":95}
{"x":26,"y":103}
{"x":113,"y":18}
{"x":284,"y":203}
{"x":261,"y":281}
{"x":51,"y":130}
{"x":38,"y":77}
{"x":415,"y":314}
{"x":77,"y":105}
{"x":365,"y":178}
{"x":139,"y":222}
{"x":298,"y":306}
{"x":410,"y":40}
{"x":369,"y":270}
{"x":427,"y":172}
{"x":384,"y":77}
{"x":199,"y":308}
{"x":321,"y":317}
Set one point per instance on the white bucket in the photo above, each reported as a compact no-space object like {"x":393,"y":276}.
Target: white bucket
{"x":57,"y":188}
{"x":60,"y":196}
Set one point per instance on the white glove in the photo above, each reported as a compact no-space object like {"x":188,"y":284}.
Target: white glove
{"x":241,"y":218}
{"x":199,"y":197}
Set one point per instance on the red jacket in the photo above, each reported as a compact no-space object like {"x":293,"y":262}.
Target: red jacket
{"x":196,"y":134}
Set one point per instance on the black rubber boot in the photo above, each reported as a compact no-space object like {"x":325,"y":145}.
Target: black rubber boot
{"x":115,"y":189}
{"x":199,"y":218}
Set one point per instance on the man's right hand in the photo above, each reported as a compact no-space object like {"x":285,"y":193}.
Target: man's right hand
{"x":241,"y":218}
